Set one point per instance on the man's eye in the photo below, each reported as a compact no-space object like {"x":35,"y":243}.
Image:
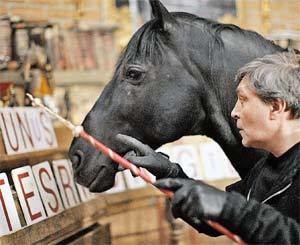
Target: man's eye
{"x":241,"y":100}
{"x":241,"y":97}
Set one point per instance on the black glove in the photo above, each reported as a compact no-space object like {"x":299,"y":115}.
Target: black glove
{"x":155,"y":162}
{"x":194,"y":201}
{"x":203,"y":227}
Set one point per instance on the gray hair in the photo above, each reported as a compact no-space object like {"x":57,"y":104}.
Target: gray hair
{"x":274,"y":77}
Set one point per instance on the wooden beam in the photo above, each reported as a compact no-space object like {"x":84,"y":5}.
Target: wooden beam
{"x":58,"y":227}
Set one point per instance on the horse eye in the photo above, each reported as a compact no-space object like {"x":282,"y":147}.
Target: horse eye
{"x":134,"y":74}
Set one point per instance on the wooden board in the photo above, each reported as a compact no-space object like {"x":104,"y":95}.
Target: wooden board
{"x":138,"y":217}
{"x":73,"y":220}
{"x":95,"y":234}
{"x":134,"y":215}
{"x":66,"y":77}
{"x":58,"y":227}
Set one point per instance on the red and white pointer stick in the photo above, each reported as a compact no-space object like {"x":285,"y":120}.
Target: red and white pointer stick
{"x":78,"y":131}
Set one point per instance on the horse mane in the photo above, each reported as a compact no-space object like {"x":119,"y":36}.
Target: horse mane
{"x":219,"y":37}
{"x":147,"y":43}
{"x":215,"y":29}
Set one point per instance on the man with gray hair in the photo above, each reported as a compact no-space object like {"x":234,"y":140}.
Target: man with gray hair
{"x":264,"y":207}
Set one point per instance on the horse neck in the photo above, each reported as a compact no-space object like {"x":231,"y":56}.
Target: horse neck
{"x":224,"y":60}
{"x":237,"y":49}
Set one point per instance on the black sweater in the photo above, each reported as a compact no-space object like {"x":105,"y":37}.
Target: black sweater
{"x":272,"y":213}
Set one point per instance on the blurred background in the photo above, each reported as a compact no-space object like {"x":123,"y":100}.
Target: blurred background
{"x":64,"y":52}
{"x":73,"y":44}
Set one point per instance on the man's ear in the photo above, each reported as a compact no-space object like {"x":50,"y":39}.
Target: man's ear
{"x":278,"y":107}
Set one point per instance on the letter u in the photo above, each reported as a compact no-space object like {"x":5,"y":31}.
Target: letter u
{"x":16,"y":147}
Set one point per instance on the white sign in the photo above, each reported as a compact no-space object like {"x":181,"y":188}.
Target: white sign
{"x":48,"y":188}
{"x":28,"y":194}
{"x":200,"y":158}
{"x":65,"y":182}
{"x":84,"y":193}
{"x":216,"y":164}
{"x":8,"y":213}
{"x":26,"y":130}
{"x":137,"y":182}
{"x":187,"y":157}
{"x":119,"y":185}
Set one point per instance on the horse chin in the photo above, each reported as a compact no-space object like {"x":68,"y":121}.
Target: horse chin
{"x":104,"y":180}
{"x":94,"y":171}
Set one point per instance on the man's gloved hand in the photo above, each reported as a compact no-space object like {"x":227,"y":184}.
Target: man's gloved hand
{"x":193,"y":200}
{"x":156,"y":163}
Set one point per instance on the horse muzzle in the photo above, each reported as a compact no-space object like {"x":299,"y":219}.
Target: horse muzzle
{"x":91,"y":168}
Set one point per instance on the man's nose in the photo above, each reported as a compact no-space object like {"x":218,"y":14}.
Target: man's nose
{"x":234,"y":112}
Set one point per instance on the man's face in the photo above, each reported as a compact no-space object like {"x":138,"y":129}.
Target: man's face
{"x":252,"y":117}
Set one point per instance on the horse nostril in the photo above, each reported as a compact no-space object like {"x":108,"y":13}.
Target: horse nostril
{"x":77,"y":158}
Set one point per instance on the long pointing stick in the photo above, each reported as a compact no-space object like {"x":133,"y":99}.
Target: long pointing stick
{"x":78,"y":131}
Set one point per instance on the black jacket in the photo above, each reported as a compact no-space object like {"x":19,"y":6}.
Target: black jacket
{"x":274,"y":218}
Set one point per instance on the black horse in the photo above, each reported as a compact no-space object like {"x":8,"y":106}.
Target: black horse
{"x":175,"y":78}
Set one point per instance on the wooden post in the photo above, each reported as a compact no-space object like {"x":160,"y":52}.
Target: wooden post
{"x":176,"y":227}
{"x":265,"y":16}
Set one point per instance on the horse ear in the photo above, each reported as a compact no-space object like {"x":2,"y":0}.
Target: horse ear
{"x":160,"y":12}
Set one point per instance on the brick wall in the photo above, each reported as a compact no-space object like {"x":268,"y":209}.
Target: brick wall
{"x":288,"y":15}
{"x":268,"y":16}
{"x":282,"y":14}
{"x":94,"y":13}
{"x":62,"y":12}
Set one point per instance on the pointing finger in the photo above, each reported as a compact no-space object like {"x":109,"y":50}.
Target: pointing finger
{"x":170,"y":184}
{"x":134,"y":143}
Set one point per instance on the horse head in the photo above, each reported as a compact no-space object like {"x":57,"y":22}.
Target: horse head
{"x":174,"y":78}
